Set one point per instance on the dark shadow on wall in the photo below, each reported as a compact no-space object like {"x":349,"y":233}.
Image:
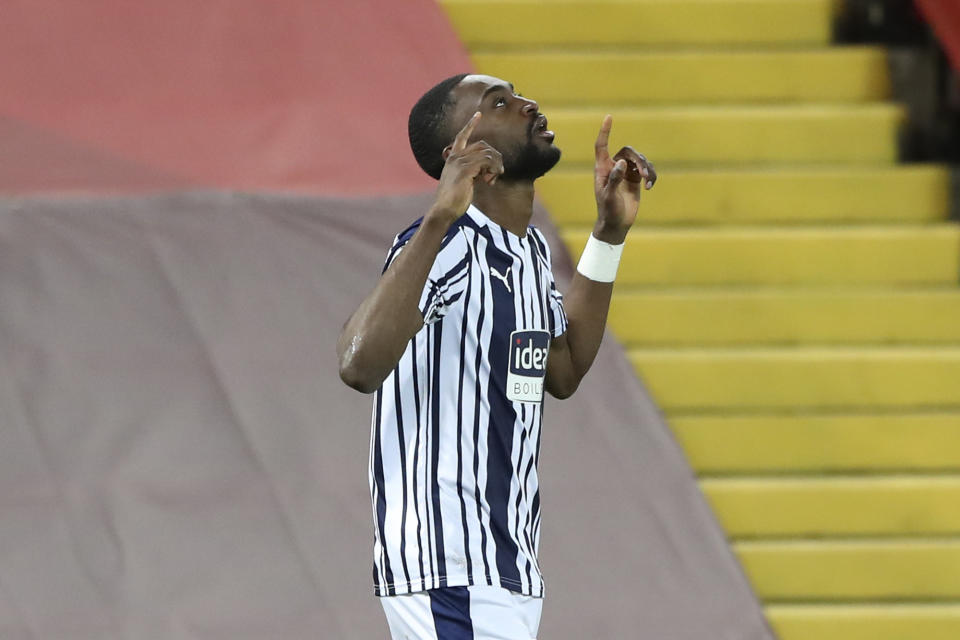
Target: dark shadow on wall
{"x":179,"y":458}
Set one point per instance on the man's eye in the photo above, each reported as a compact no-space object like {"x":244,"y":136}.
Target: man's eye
{"x":500,"y":102}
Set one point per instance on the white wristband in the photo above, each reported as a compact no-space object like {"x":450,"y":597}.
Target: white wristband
{"x":599,"y":260}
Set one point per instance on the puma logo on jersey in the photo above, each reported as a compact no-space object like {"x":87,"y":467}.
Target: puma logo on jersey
{"x":502,"y":277}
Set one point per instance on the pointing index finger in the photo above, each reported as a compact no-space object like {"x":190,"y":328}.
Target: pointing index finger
{"x":460,"y":142}
{"x":600,"y":148}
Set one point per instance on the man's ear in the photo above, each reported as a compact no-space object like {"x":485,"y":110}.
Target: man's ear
{"x":446,"y":152}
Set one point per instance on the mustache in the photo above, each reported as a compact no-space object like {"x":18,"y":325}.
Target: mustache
{"x":533,"y":123}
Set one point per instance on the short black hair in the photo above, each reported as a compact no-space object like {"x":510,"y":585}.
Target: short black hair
{"x":428,"y":128}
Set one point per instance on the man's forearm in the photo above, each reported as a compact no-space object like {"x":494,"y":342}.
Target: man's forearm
{"x":587,"y":303}
{"x":375,"y":337}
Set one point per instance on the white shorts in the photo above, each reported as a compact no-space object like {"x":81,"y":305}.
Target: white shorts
{"x":463,"y":613}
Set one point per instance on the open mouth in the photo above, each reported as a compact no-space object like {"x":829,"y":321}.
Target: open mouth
{"x":540,"y":128}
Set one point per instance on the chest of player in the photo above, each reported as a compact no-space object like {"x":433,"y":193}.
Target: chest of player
{"x":519,"y":292}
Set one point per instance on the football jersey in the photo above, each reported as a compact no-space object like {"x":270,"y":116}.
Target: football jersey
{"x":456,"y":426}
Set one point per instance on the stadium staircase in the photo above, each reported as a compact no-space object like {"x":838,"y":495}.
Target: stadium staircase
{"x":790,"y":297}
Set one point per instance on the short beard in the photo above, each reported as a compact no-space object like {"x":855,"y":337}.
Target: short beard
{"x":530,"y":163}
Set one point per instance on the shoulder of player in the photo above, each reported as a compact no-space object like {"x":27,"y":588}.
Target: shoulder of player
{"x":455,"y":229}
{"x":535,"y":233}
{"x":539,"y":242}
{"x":454,"y":248}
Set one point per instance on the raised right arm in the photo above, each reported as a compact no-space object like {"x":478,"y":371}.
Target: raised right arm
{"x":375,"y":336}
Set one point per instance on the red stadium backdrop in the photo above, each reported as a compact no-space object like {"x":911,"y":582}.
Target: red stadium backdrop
{"x":178,"y":458}
{"x":244,"y":94}
{"x":944,"y":17}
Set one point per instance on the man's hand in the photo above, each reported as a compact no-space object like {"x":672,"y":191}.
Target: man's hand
{"x":617,"y":185}
{"x":464,"y":164}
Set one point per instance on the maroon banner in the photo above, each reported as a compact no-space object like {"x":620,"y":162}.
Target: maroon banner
{"x":944,"y":17}
{"x":242,"y":94}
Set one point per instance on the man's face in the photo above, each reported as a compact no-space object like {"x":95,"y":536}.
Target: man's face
{"x":509,"y":123}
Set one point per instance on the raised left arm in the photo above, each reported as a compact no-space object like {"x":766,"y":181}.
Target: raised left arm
{"x":618,"y":183}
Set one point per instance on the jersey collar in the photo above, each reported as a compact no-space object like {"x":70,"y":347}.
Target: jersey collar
{"x":481,"y":219}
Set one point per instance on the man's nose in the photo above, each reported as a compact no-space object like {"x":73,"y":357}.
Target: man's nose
{"x":530,"y":107}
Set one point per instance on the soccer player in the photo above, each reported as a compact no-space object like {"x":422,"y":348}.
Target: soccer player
{"x":459,"y":339}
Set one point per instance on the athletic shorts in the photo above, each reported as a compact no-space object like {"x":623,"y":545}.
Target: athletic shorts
{"x":463,"y":613}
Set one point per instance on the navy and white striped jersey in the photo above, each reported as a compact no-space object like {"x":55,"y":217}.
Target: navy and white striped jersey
{"x":456,"y":426}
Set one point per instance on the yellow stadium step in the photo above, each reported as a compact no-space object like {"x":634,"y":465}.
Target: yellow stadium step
{"x":868,"y":442}
{"x":852,"y":570}
{"x":878,"y":621}
{"x":829,"y":74}
{"x":836,"y":506}
{"x":533,"y":23}
{"x":789,"y":295}
{"x":712,"y":317}
{"x":699,"y":380}
{"x":738,"y":135}
{"x":890,"y":194}
{"x":928,"y":254}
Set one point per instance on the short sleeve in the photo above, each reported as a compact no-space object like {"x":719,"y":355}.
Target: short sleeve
{"x":558,"y":317}
{"x":447,"y":280}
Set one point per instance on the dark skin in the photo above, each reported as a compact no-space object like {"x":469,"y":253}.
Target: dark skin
{"x":493,"y":125}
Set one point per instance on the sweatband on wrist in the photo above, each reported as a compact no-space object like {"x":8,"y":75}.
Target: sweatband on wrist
{"x":599,"y":260}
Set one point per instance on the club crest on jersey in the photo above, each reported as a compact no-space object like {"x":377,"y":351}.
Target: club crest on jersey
{"x":528,"y":365}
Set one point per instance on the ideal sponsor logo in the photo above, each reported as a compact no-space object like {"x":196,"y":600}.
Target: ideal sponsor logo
{"x":528,"y":365}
